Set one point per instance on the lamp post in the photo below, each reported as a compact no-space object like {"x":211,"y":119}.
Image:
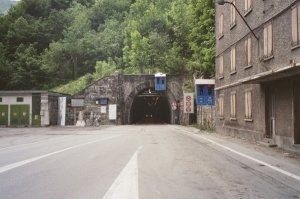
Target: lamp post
{"x":222,"y":2}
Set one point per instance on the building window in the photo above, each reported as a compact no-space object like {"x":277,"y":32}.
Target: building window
{"x":232,"y":106}
{"x":248,"y":53}
{"x":248,"y":6}
{"x":232,"y":18}
{"x":221,"y":67}
{"x":248,"y":105}
{"x":0,"y":99}
{"x":221,"y":106}
{"x":296,"y":25}
{"x":232,"y":58}
{"x":268,"y":40}
{"x":221,"y":26}
{"x":20,"y":99}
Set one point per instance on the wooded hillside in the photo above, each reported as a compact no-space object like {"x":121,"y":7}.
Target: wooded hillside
{"x":47,"y":43}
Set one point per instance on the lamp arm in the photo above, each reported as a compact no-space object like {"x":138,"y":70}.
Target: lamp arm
{"x":242,"y":18}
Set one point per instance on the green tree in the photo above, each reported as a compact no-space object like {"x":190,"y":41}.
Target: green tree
{"x":104,"y":68}
{"x":139,"y":53}
{"x":202,"y":37}
{"x":25,"y":69}
{"x":181,"y":51}
{"x":4,"y":69}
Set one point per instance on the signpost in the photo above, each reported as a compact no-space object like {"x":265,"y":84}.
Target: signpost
{"x":174,"y":106}
{"x":188,"y":102}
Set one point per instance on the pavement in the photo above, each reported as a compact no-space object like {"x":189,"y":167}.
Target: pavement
{"x":149,"y":161}
{"x":266,"y":148}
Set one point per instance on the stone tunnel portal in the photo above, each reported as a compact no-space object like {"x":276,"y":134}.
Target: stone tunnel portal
{"x":150,"y":106}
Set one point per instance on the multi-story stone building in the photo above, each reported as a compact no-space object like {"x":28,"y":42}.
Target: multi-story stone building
{"x":258,"y":70}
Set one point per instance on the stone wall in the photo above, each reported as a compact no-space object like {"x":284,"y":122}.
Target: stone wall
{"x":206,"y":116}
{"x":120,"y":90}
{"x":133,"y":84}
{"x":107,"y":87}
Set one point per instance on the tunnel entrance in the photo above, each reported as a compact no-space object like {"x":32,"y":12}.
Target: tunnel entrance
{"x":150,"y":107}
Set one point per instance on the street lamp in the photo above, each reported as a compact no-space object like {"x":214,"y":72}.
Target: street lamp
{"x":222,"y":2}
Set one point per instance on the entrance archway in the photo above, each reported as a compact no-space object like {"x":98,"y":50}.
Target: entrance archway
{"x":150,"y":107}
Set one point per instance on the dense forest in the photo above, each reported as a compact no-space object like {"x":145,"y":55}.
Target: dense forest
{"x":47,"y":43}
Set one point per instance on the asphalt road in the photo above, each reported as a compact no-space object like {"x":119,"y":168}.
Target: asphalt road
{"x":140,"y":161}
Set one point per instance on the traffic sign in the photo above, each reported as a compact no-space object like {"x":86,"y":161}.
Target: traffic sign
{"x":188,"y":102}
{"x":174,"y":105}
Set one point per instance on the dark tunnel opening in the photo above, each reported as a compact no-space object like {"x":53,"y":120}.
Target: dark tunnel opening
{"x":150,"y":107}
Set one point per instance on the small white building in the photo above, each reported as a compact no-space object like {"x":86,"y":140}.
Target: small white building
{"x":29,"y":108}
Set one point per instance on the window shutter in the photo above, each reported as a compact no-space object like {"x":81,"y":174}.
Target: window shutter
{"x":221,"y":70}
{"x":232,"y":11}
{"x":246,"y":52}
{"x":231,"y":16}
{"x":222,"y":28}
{"x":231,"y":60}
{"x":249,"y":105}
{"x":270,"y":40}
{"x":234,"y":68}
{"x":249,"y":51}
{"x":234,"y":112}
{"x":265,"y":41}
{"x":222,"y":105}
{"x":221,"y":25}
{"x":294,"y":25}
{"x":246,"y":105}
{"x":231,"y":106}
{"x":232,"y":100}
{"x":298,"y":22}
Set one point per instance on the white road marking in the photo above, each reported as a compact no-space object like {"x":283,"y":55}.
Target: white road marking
{"x":15,"y":165}
{"x":246,"y":156}
{"x":33,"y":142}
{"x":126,"y":185}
